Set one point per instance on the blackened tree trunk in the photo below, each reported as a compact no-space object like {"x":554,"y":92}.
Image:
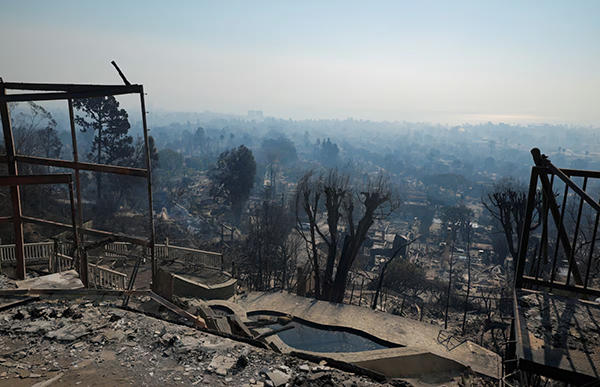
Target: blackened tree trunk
{"x":372,"y":200}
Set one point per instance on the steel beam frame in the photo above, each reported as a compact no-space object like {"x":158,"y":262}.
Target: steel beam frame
{"x":68,"y":92}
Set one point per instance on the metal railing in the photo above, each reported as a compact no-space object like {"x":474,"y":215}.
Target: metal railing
{"x":563,"y":251}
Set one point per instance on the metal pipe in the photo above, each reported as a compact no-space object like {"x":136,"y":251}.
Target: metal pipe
{"x":76,"y":161}
{"x":149,"y":176}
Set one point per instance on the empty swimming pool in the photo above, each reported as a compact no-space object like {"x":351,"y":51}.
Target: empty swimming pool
{"x":307,"y":338}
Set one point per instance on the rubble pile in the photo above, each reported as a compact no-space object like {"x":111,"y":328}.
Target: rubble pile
{"x":80,"y":342}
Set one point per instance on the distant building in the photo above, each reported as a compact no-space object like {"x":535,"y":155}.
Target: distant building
{"x":255,"y":115}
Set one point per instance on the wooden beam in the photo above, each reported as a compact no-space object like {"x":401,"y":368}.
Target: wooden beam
{"x":81,"y":165}
{"x":197,"y":321}
{"x":18,"y":303}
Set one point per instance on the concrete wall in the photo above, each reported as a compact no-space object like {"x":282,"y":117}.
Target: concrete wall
{"x":410,"y":365}
{"x":187,"y":288}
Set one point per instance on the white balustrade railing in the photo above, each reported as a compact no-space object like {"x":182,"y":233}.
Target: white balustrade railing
{"x":32,"y":251}
{"x":193,"y":257}
{"x":182,"y":254}
{"x":7,"y":253}
{"x":105,"y":278}
{"x":60,"y":263}
{"x":98,"y":276}
{"x":117,"y":247}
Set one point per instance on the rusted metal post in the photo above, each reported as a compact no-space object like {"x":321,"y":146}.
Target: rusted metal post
{"x":81,"y":258}
{"x":149,"y":177}
{"x":579,"y":213}
{"x":53,"y":264}
{"x":76,"y":161}
{"x":167,"y":248}
{"x":524,"y":242}
{"x":15,"y":191}
{"x":540,"y":161}
{"x":83,"y":263}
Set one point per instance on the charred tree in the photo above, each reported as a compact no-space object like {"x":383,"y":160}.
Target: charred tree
{"x":341,"y":201}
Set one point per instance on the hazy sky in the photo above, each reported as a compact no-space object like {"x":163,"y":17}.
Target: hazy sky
{"x":437,"y":61}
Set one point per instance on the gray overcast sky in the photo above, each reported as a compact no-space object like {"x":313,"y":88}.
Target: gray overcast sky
{"x":438,"y":61}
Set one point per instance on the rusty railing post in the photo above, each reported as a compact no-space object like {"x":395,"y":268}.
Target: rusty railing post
{"x":15,"y":192}
{"x":524,"y":242}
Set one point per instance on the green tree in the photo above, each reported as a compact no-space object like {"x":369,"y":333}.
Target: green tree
{"x":281,"y":149}
{"x":170,"y":161}
{"x":199,"y":140}
{"x":112,"y":143}
{"x":406,"y":277}
{"x":124,"y":189}
{"x":233,"y":177}
{"x":329,"y":152}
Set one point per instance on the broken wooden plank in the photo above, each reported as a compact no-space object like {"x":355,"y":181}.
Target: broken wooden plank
{"x":18,"y":303}
{"x":238,"y":327}
{"x":198,"y":322}
{"x":222,"y":324}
